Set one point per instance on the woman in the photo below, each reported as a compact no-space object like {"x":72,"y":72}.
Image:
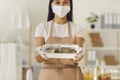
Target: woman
{"x":59,"y":30}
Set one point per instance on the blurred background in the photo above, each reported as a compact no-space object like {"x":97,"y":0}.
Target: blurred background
{"x":99,"y":18}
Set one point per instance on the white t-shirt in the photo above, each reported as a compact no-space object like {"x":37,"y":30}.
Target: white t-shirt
{"x":43,"y":30}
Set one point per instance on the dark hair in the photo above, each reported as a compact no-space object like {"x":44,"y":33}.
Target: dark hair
{"x":51,"y":14}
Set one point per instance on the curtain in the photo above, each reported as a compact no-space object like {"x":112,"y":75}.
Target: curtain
{"x":9,"y":64}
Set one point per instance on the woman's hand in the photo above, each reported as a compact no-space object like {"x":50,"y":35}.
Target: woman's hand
{"x":79,"y":55}
{"x":38,"y":58}
{"x":41,"y":52}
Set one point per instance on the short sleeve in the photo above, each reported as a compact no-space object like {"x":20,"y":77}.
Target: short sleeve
{"x":80,"y":32}
{"x":39,"y":31}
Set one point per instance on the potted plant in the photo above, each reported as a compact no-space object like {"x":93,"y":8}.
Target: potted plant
{"x":92,"y":20}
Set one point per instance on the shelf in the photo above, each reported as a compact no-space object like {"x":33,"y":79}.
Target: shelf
{"x":111,"y":44}
{"x":104,"y":30}
{"x":25,"y":66}
{"x":113,"y":67}
{"x":115,"y":71}
{"x":115,"y":78}
{"x":103,"y":48}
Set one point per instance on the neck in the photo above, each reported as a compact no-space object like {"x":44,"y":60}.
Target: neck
{"x":60,"y":20}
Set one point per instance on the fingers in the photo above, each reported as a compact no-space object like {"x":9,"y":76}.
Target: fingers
{"x":41,"y":52}
{"x":78,"y":57}
{"x":44,"y":56}
{"x":79,"y":50}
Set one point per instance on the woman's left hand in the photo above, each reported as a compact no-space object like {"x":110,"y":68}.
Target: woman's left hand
{"x":79,"y":55}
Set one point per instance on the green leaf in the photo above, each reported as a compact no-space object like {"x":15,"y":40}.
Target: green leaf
{"x":93,"y":18}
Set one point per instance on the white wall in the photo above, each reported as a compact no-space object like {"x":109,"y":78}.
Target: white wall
{"x":38,"y":11}
{"x":83,"y":8}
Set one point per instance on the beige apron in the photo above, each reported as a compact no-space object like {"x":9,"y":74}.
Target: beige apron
{"x":60,"y":69}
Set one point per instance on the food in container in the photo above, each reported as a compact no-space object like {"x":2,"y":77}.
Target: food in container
{"x":60,"y":50}
{"x":54,"y":49}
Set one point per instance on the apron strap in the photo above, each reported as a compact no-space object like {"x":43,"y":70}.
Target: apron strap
{"x":69,"y":29}
{"x":51,"y":29}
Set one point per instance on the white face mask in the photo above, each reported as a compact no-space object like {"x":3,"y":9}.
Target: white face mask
{"x":61,"y":11}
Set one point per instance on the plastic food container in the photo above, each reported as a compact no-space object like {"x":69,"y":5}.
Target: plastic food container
{"x":60,"y":50}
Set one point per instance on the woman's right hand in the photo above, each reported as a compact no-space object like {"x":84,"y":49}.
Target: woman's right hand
{"x":38,"y":57}
{"x":41,"y":53}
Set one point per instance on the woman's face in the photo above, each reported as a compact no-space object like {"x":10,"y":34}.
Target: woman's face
{"x":61,"y":2}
